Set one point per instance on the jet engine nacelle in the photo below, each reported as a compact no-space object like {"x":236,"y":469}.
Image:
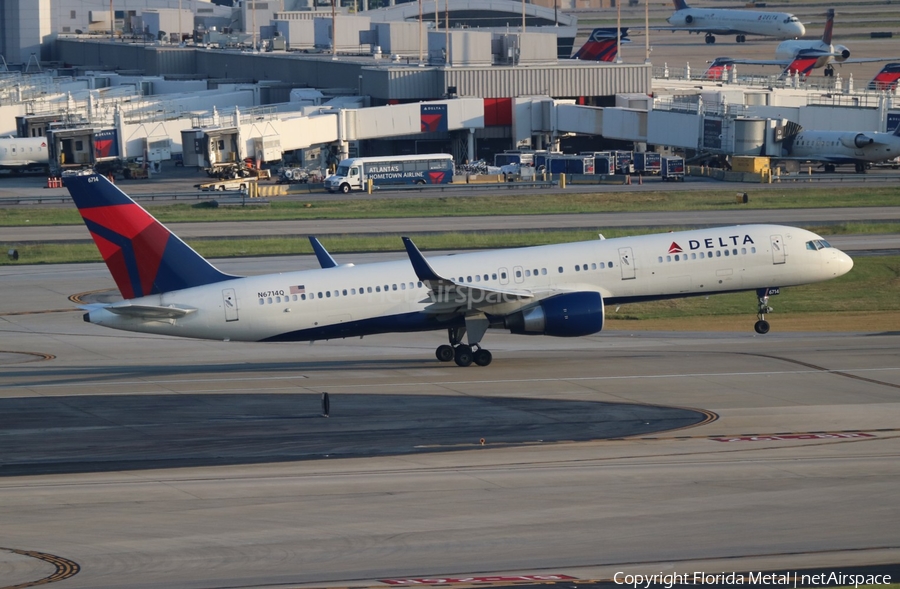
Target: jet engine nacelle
{"x":841,"y":53}
{"x":566,"y":315}
{"x":688,"y":19}
{"x":856,"y":140}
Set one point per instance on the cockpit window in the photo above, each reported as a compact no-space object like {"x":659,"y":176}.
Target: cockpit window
{"x":817,"y":244}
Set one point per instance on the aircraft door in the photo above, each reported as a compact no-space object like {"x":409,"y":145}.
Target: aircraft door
{"x":778,"y":253}
{"x":229,"y":302}
{"x":504,"y":275}
{"x":626,"y":262}
{"x":518,"y":274}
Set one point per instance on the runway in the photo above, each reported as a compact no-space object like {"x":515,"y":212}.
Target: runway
{"x":798,"y":468}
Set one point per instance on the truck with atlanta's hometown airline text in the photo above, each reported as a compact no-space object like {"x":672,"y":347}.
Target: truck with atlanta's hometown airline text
{"x":355,"y":173}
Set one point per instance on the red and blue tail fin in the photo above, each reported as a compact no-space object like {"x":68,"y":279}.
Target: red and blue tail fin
{"x":886,"y":79}
{"x":143,"y":256}
{"x":680,"y":4}
{"x":601,"y":45}
{"x":829,"y":26}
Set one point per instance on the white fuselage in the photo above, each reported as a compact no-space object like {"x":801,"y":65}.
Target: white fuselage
{"x":383,"y":297}
{"x":845,"y":146}
{"x":23,"y":152}
{"x":780,"y":25}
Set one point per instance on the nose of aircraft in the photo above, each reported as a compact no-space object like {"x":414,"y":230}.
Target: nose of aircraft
{"x":799,"y":29}
{"x":844,"y":263}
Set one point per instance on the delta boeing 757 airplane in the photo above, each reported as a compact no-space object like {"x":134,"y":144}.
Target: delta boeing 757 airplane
{"x":558,"y":290}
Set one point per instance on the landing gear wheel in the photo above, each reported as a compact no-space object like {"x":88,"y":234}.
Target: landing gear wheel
{"x":710,"y":39}
{"x":483,"y":357}
{"x":444,"y":353}
{"x":463,"y":355}
{"x":761,"y":327}
{"x":741,"y":39}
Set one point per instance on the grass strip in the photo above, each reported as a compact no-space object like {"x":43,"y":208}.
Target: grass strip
{"x":788,"y":196}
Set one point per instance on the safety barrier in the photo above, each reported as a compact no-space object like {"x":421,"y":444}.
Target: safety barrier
{"x":272,"y":190}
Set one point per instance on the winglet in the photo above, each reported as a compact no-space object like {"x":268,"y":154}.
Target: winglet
{"x":423,"y":269}
{"x":325,"y":259}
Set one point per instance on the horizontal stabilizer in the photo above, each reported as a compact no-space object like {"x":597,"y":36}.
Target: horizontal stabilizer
{"x":149,"y":311}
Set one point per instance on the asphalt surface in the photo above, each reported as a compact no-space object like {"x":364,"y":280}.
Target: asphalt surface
{"x":125,"y":432}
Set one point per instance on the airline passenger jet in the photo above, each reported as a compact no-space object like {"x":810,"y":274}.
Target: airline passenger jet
{"x":558,"y":290}
{"x":800,"y":56}
{"x":728,"y":21}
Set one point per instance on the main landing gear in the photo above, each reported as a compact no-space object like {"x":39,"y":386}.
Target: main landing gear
{"x":740,"y":39}
{"x":762,"y":326}
{"x":710,"y":38}
{"x":466,"y":354}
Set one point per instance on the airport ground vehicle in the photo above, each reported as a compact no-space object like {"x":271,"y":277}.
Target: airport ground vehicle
{"x":647,"y":162}
{"x":605,"y":165}
{"x":570,"y":164}
{"x":672,"y":169}
{"x":222,"y":185}
{"x":355,"y":173}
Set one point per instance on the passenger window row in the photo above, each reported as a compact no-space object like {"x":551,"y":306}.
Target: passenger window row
{"x":339,"y":293}
{"x":704,"y":255}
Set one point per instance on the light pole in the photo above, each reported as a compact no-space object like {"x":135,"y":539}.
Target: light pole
{"x":646,"y":31}
{"x":618,"y":31}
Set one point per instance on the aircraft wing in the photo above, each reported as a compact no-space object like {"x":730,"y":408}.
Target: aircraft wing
{"x":802,"y":64}
{"x":701,"y":29}
{"x":148,"y":311}
{"x":868,"y":59}
{"x":450,"y":294}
